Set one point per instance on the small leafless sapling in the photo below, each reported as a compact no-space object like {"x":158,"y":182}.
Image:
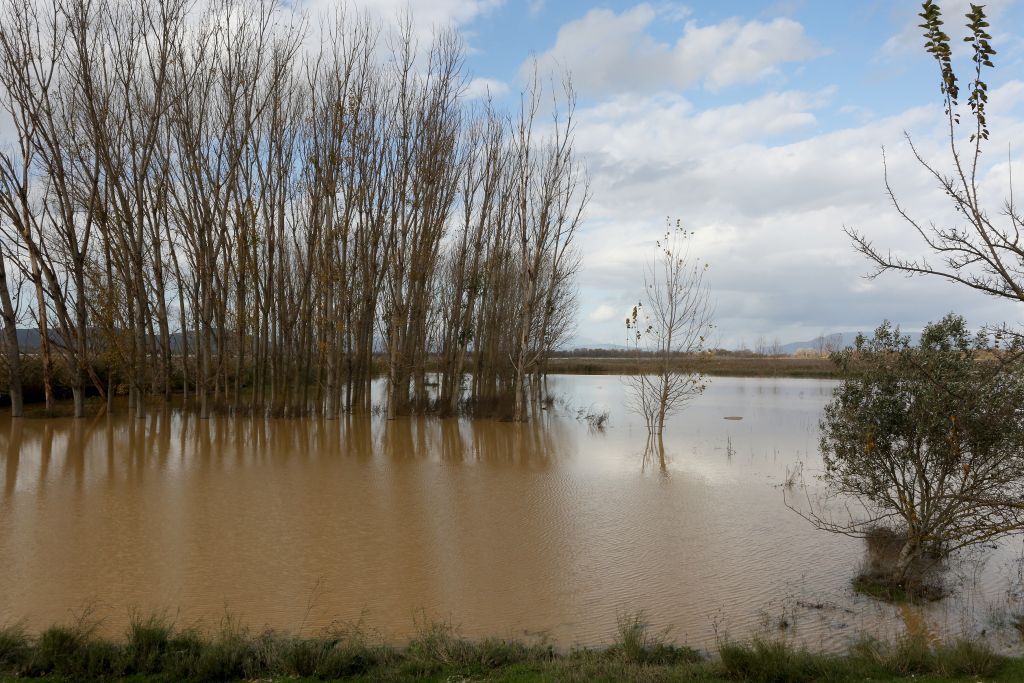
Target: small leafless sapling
{"x":675,"y":319}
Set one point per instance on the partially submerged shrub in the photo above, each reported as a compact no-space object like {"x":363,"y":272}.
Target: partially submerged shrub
{"x":596,"y":420}
{"x":929,"y":440}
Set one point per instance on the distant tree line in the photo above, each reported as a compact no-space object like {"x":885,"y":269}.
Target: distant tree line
{"x":204,"y":204}
{"x":583,"y":352}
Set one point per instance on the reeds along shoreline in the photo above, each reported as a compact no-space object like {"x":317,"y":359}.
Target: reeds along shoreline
{"x":153,"y":650}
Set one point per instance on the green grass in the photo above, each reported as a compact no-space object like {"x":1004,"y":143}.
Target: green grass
{"x":153,"y":652}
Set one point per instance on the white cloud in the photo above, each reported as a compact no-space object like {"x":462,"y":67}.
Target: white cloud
{"x":667,"y":128}
{"x":433,"y":12}
{"x":769,"y":214}
{"x":480,"y":88}
{"x":609,"y":52}
{"x":534,"y":7}
{"x":602,"y":313}
{"x":428,"y":15}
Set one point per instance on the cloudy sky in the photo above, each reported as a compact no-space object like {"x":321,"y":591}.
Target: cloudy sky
{"x":760,"y":125}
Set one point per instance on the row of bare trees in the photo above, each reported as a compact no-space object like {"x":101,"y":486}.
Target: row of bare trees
{"x":200,"y":202}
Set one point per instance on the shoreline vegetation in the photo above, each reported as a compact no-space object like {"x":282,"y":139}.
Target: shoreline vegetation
{"x":153,"y":650}
{"x":727,"y":364}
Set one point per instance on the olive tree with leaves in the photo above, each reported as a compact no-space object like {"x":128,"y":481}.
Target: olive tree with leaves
{"x":674,"y":319}
{"x":928,"y":441}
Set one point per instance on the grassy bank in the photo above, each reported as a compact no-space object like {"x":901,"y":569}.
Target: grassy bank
{"x":720,"y":365}
{"x":154,"y":651}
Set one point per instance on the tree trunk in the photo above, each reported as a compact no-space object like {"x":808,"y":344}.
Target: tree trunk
{"x":11,"y":344}
{"x":44,"y":332}
{"x":909,"y":553}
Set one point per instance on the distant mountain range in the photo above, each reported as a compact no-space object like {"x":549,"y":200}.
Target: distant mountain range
{"x":585,"y":343}
{"x":838,"y":340}
{"x":29,"y":339}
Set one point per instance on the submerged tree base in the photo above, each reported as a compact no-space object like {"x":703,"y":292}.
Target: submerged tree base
{"x":885,"y":587}
{"x":881,"y":578}
{"x":153,"y":651}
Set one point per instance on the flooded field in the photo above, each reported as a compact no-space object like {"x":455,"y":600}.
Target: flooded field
{"x":550,"y":528}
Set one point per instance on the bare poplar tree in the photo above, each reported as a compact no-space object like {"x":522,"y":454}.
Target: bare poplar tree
{"x":201,"y":206}
{"x":552,"y":192}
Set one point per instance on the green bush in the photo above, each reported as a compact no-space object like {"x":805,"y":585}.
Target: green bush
{"x":765,"y":661}
{"x":15,"y":648}
{"x":57,"y":651}
{"x":147,"y":645}
{"x":929,"y":439}
{"x":967,"y":658}
{"x":635,"y":644}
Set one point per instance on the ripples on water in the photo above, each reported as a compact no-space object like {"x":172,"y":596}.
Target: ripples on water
{"x":504,"y":529}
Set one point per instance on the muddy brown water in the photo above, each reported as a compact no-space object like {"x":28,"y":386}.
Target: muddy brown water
{"x":550,"y":528}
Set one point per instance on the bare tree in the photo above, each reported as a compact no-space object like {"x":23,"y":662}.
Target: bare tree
{"x":833,"y":343}
{"x":551,"y":193}
{"x":985,"y":252}
{"x":819,"y":345}
{"x":676,"y":319}
{"x":202,"y":206}
{"x":12,"y":353}
{"x":761,"y":347}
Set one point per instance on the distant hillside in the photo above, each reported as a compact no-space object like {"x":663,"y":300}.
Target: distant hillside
{"x":845,"y":339}
{"x":29,"y":339}
{"x":581,"y":343}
